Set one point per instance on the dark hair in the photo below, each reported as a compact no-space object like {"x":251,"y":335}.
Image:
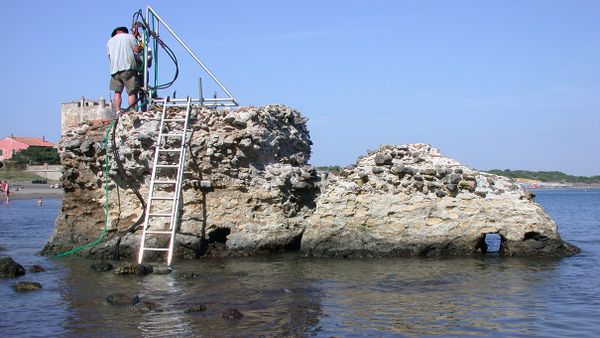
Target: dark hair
{"x":122,"y":29}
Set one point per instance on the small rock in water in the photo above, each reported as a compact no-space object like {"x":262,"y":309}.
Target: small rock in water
{"x":196,"y":308}
{"x":161,"y":270}
{"x":187,"y":276}
{"x":37,"y":268}
{"x":26,"y":286}
{"x":145,"y":306}
{"x":101,"y":266}
{"x":2,"y":248}
{"x":133,"y":269}
{"x":232,"y":314}
{"x":122,"y":299}
{"x":9,"y":268}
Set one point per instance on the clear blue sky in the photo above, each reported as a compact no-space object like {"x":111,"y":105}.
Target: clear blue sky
{"x":493,"y":84}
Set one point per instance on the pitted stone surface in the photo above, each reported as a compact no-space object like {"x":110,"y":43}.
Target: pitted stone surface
{"x":248,"y":189}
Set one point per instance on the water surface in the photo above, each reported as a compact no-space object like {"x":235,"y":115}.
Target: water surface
{"x":287,"y":295}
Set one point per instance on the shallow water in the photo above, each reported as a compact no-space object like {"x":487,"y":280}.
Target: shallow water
{"x":287,"y":295}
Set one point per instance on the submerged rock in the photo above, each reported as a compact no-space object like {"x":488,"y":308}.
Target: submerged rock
{"x":101,"y":266}
{"x":122,"y":299}
{"x":27,"y":286}
{"x":187,"y":276}
{"x":145,"y":306}
{"x":133,"y":269}
{"x":2,"y":248}
{"x":161,"y":270}
{"x":196,"y":308}
{"x":37,"y":268}
{"x":9,"y":268}
{"x":232,"y":314}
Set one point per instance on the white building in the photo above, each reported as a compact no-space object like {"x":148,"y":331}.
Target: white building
{"x":74,"y":112}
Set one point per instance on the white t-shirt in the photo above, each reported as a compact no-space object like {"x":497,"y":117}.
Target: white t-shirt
{"x":120,"y":51}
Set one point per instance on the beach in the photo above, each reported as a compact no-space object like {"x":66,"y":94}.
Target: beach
{"x":28,"y":190}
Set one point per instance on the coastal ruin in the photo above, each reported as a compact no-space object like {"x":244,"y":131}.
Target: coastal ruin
{"x":249,"y":190}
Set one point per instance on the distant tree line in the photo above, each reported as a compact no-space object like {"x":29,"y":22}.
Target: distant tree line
{"x":36,"y":155}
{"x":545,"y":176}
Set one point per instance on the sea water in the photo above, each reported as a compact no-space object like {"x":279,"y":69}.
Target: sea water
{"x":288,"y":295}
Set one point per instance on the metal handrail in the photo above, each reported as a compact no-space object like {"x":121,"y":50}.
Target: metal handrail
{"x":228,"y":101}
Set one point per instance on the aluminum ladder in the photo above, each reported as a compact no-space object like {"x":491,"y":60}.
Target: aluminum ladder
{"x":164,"y":194}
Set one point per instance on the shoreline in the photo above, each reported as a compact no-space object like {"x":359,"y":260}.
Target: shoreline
{"x":22,"y":191}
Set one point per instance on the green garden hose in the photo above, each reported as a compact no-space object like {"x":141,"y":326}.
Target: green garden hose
{"x":104,"y":229}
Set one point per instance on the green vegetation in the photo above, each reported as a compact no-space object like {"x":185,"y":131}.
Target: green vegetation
{"x":545,"y":176}
{"x":36,"y":155}
{"x":13,"y":174}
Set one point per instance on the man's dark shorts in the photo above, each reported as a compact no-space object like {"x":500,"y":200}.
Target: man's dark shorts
{"x":127,"y":79}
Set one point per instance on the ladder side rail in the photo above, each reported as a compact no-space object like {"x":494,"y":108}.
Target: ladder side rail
{"x":151,"y":188}
{"x":178,"y":186}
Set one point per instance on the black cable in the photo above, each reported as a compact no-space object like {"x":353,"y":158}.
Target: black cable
{"x":123,"y":175}
{"x":139,"y":17}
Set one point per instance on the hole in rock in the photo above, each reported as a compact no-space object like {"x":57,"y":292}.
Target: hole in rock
{"x":218,"y":235}
{"x":295,"y":243}
{"x":533,"y":235}
{"x":493,"y":242}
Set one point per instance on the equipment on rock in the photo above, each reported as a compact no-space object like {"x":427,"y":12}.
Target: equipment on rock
{"x":172,"y":137}
{"x":146,"y":29}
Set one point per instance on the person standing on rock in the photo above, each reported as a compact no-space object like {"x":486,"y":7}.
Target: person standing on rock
{"x":122,"y":47}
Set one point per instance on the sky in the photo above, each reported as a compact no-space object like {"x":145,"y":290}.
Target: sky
{"x":506,"y":84}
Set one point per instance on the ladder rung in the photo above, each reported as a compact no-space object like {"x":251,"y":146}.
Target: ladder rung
{"x":158,"y":232}
{"x":172,"y":135}
{"x":161,"y":198}
{"x":156,"y":249}
{"x":170,"y":150}
{"x":174,"y":120}
{"x":165,"y":182}
{"x":167,"y":166}
{"x":159,"y":215}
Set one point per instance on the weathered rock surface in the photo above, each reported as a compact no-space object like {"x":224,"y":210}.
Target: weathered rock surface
{"x":146,"y":306}
{"x":128,"y":268}
{"x":122,"y":299}
{"x":9,"y":268}
{"x":196,"y":308}
{"x":421,"y":203}
{"x":101,"y":266}
{"x":26,"y":286}
{"x":37,"y":268}
{"x":232,"y":314}
{"x":248,"y":189}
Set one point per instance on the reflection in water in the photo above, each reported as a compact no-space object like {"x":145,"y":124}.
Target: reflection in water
{"x":288,"y":295}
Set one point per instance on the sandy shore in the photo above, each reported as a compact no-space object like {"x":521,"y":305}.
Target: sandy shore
{"x":27,"y":190}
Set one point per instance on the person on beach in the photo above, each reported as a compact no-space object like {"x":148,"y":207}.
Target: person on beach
{"x":122,"y":47}
{"x":6,"y":189}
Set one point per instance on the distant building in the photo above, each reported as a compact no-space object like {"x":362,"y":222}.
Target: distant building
{"x":11,"y":145}
{"x":75,"y":112}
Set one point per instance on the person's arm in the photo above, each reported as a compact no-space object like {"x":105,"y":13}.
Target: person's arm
{"x":134,"y":44}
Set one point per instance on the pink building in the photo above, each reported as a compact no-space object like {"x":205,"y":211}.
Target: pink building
{"x":11,"y":145}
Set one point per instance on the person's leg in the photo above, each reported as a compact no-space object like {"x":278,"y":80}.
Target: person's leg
{"x":131,"y":98}
{"x":132,"y":87}
{"x":117,"y":101}
{"x":116,"y":85}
